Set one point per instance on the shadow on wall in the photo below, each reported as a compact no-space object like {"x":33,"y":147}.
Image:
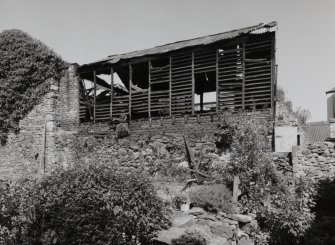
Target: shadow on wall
{"x":322,"y":231}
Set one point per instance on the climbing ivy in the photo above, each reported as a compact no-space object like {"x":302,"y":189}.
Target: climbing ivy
{"x":25,"y":65}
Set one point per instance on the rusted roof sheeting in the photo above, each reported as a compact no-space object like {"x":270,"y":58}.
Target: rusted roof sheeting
{"x":318,"y":131}
{"x":258,"y":29}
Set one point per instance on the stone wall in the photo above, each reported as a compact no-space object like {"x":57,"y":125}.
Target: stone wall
{"x":27,"y":151}
{"x":38,"y":144}
{"x":69,"y":99}
{"x":317,"y":160}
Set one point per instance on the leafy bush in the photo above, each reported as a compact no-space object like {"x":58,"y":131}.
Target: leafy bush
{"x":322,"y":230}
{"x":122,"y":130}
{"x":283,"y":210}
{"x":25,"y":65}
{"x":215,"y":197}
{"x":179,"y":199}
{"x":83,"y":205}
{"x":288,"y":216}
{"x":251,"y":157}
{"x":190,"y":238}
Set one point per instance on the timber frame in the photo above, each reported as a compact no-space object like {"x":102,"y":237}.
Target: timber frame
{"x":235,"y":70}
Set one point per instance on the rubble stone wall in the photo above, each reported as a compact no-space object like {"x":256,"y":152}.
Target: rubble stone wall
{"x":27,"y":151}
{"x":316,"y":160}
{"x":38,"y":144}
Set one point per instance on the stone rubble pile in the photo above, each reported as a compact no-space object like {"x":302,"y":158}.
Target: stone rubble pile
{"x":218,"y":229}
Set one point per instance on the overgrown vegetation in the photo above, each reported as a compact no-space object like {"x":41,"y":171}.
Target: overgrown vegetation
{"x":25,"y":65}
{"x":303,"y":115}
{"x":122,"y":130}
{"x":87,"y":204}
{"x":212,"y":198}
{"x":190,"y":237}
{"x":283,"y":209}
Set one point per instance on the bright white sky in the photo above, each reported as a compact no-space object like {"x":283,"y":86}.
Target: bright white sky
{"x":84,"y":31}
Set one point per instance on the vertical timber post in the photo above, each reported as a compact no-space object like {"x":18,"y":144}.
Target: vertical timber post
{"x":243,"y":75}
{"x":273,"y":67}
{"x":112,"y":94}
{"x":94,"y":94}
{"x":236,"y":190}
{"x":130,"y":85}
{"x":170,"y":86}
{"x":149,"y":91}
{"x":217,"y":81}
{"x":193,"y":83}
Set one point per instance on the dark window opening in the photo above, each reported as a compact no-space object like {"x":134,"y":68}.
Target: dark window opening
{"x":140,"y":90}
{"x":205,"y":92}
{"x":160,"y":87}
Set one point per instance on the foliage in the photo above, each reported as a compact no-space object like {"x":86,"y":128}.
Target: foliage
{"x":179,"y":199}
{"x":190,"y":237}
{"x":215,"y":197}
{"x":167,"y":168}
{"x":284,"y":210}
{"x":251,"y":157}
{"x":122,"y":130}
{"x":25,"y":65}
{"x":288,"y":216}
{"x":303,"y":115}
{"x":280,"y":94}
{"x":322,"y":230}
{"x":89,"y":204}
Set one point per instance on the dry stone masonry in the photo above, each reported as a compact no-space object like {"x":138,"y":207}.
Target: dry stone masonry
{"x":317,"y":160}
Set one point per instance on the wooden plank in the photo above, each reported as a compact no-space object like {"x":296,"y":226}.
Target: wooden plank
{"x":149,"y":92}
{"x":130,"y":85}
{"x":273,"y":64}
{"x":193,"y":83}
{"x":112,"y":93}
{"x":94,"y":94}
{"x":170,"y":85}
{"x":243,"y":75}
{"x":217,"y":80}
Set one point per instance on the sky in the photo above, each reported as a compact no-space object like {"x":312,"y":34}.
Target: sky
{"x":83,"y":31}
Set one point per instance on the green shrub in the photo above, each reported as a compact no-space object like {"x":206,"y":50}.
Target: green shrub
{"x":179,"y":199}
{"x":190,"y":238}
{"x":212,"y":197}
{"x":83,"y":205}
{"x":284,"y":211}
{"x":25,"y":65}
{"x":122,"y":130}
{"x":288,"y":215}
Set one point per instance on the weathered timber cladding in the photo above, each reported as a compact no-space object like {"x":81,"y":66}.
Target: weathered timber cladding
{"x":181,"y":83}
{"x":231,"y":70}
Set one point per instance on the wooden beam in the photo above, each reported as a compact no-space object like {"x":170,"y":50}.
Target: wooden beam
{"x":112,"y":92}
{"x":149,"y":90}
{"x":273,"y":67}
{"x":94,"y":94}
{"x":193,"y":83}
{"x":130,"y":85}
{"x":217,"y":81}
{"x":170,"y":85}
{"x":243,"y":75}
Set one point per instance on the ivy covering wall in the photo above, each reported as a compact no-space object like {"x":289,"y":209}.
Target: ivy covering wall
{"x":25,"y":66}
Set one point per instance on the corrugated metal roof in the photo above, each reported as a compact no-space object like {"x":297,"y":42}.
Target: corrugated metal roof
{"x":205,"y":40}
{"x":331,"y":91}
{"x":318,"y":131}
